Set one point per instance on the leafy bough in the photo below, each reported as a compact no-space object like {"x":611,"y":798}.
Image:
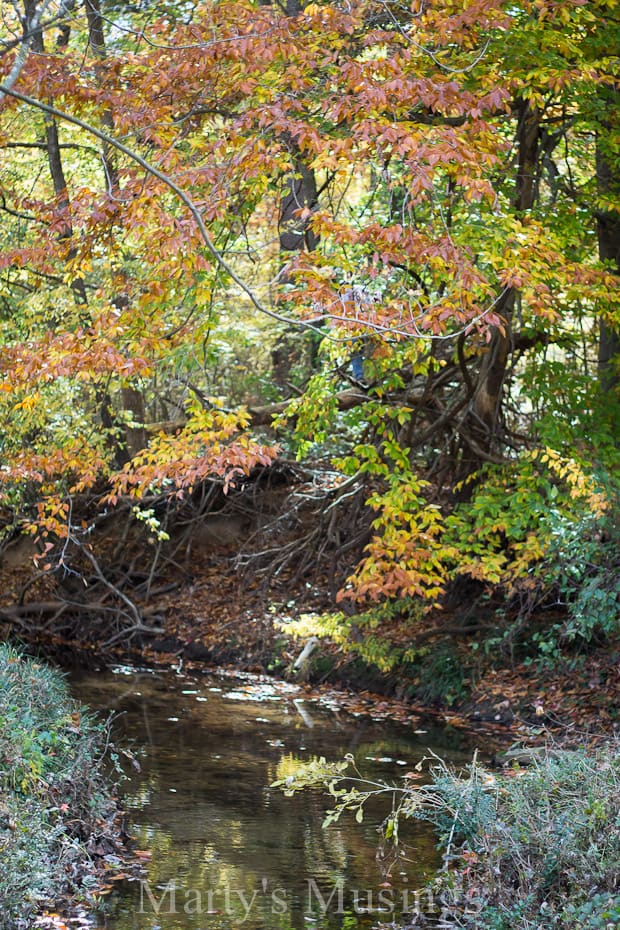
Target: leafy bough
{"x":352,"y":792}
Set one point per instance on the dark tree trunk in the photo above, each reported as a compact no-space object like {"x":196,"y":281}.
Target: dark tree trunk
{"x":96,"y":41}
{"x":302,"y":189}
{"x":484,"y":419}
{"x":294,"y":350}
{"x":302,"y":193}
{"x":54,"y":158}
{"x":135,"y":435}
{"x":132,"y":400}
{"x":608,"y":230}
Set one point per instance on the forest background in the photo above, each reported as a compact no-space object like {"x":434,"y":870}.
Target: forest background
{"x":344,"y":275}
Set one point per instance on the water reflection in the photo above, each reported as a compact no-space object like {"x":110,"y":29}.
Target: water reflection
{"x":228,"y":850}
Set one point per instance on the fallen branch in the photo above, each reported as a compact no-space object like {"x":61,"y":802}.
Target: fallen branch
{"x":346,"y":400}
{"x":262,"y":415}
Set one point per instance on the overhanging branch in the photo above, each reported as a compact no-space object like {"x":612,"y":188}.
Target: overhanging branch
{"x":315,"y":324}
{"x":106,"y":139}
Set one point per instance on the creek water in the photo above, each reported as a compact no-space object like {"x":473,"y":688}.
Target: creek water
{"x":228,"y":851}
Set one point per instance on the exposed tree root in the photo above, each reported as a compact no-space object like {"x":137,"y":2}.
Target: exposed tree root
{"x":105,"y":579}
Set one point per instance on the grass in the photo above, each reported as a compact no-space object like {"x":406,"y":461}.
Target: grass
{"x":54,"y":795}
{"x":538,"y":849}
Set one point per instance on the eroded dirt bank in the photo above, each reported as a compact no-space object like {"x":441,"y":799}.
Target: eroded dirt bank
{"x":220,"y":621}
{"x":214,"y":595}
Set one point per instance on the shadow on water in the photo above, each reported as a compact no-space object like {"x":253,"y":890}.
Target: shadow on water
{"x":228,"y":850}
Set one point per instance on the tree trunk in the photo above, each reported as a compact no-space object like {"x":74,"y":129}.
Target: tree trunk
{"x":294,"y":350}
{"x":486,"y":404}
{"x":135,"y":435}
{"x":302,"y":192}
{"x":54,"y":158}
{"x":132,"y":400}
{"x":96,"y":41}
{"x":608,"y":230}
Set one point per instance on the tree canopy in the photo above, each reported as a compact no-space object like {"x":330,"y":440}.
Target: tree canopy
{"x":393,"y":226}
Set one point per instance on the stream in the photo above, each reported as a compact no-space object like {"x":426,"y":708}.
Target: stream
{"x":229,"y":851}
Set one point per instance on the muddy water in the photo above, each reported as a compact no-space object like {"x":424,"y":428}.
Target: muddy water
{"x":228,"y":851}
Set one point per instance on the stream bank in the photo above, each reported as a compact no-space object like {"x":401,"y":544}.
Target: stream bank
{"x":61,"y":826}
{"x":236,"y":577}
{"x":219,"y":621}
{"x":573,"y":703}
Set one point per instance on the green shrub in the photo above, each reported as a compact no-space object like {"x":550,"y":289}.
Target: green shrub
{"x":583,"y":566}
{"x":542,"y":847}
{"x":440,"y":674}
{"x":52,"y":787}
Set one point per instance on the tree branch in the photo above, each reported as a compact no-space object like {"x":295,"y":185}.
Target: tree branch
{"x":30,"y":29}
{"x":106,"y":139}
